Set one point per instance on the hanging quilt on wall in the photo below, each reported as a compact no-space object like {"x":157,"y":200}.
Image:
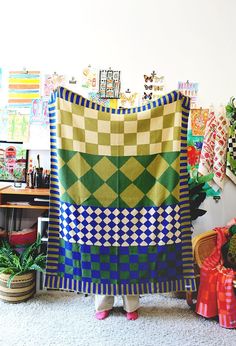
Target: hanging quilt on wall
{"x":119,"y":209}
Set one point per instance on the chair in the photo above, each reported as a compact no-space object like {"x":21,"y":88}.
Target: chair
{"x":203,"y":246}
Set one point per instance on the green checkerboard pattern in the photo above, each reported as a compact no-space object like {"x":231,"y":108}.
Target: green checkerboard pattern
{"x":94,"y":132}
{"x":110,"y":181}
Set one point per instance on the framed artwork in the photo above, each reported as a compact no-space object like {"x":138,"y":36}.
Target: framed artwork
{"x":13,"y":161}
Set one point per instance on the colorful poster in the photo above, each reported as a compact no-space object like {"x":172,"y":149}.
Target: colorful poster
{"x":23,"y":87}
{"x":198,"y":121}
{"x":189,"y":89}
{"x":18,"y":126}
{"x":39,"y":112}
{"x":51,"y":82}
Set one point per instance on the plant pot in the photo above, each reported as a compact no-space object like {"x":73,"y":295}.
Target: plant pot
{"x":23,"y":287}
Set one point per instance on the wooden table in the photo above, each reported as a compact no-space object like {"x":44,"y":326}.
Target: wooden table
{"x":21,"y":197}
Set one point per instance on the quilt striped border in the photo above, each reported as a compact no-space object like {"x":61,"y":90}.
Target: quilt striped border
{"x":55,"y":282}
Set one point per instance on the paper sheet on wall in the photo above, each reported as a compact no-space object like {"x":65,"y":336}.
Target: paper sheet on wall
{"x":3,"y":124}
{"x":39,"y":112}
{"x":199,"y":118}
{"x":23,"y":87}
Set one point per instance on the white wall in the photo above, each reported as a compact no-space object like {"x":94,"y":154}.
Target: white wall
{"x":182,"y":39}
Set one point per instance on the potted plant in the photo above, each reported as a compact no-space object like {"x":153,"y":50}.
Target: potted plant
{"x":18,"y":271}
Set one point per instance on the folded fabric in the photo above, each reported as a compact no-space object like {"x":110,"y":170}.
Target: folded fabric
{"x":216,"y":292}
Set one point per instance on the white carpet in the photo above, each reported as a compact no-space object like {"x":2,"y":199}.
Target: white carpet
{"x":65,"y":319}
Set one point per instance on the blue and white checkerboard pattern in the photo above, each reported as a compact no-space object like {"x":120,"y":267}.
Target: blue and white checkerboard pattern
{"x":120,"y":227}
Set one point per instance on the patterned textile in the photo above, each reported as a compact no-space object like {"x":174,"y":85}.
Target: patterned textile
{"x":213,"y":154}
{"x":231,"y":154}
{"x":119,"y":209}
{"x":216,"y":293}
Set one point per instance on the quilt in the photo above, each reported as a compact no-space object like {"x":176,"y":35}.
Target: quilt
{"x":119,"y":220}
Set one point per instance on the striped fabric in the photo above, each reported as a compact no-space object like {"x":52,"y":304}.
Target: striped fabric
{"x":119,"y":209}
{"x":23,"y":88}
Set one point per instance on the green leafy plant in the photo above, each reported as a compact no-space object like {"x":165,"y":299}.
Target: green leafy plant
{"x":14,"y":263}
{"x":231,"y":110}
{"x":197,"y":194}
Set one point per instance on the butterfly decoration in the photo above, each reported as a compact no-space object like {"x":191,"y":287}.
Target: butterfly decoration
{"x":148,"y":87}
{"x":158,"y":87}
{"x":148,"y":78}
{"x":147,"y":96}
{"x":158,"y":79}
{"x":130,"y":99}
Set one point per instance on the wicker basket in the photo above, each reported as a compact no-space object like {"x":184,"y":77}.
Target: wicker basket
{"x":22,"y":287}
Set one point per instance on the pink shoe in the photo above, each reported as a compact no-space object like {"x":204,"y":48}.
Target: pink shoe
{"x":132,"y":315}
{"x":102,"y":314}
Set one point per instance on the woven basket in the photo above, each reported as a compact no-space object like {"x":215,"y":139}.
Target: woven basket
{"x":22,"y":287}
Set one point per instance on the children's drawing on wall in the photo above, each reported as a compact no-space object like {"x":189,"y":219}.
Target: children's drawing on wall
{"x":128,"y":99}
{"x":39,"y":112}
{"x":51,"y":82}
{"x":198,"y":121}
{"x":23,"y":87}
{"x":13,"y":161}
{"x":89,"y":78}
{"x":18,"y":126}
{"x":189,"y":89}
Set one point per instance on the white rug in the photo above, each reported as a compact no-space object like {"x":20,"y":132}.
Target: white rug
{"x":65,"y":319}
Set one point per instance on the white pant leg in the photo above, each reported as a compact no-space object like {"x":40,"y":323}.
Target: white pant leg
{"x":131,"y":303}
{"x":103,"y":302}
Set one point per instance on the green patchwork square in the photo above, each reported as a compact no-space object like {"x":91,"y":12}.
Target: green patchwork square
{"x":167,"y":146}
{"x":78,"y":134}
{"x":86,"y":257}
{"x":124,"y":275}
{"x":144,"y":125}
{"x":117,"y":150}
{"x":168,"y":120}
{"x":130,"y":138}
{"x":86,"y":273}
{"x":67,"y":143}
{"x":113,"y":266}
{"x":157,"y":112}
{"x":68,"y":254}
{"x":68,"y":269}
{"x":104,"y":258}
{"x":76,"y":109}
{"x":94,"y":250}
{"x":91,"y":148}
{"x":104,"y":138}
{"x":66,"y":118}
{"x":117,"y":127}
{"x":91,"y":124}
{"x":76,"y":264}
{"x":177,"y":133}
{"x":143,"y":274}
{"x":124,"y":259}
{"x":105,"y":274}
{"x":155,"y":136}
{"x":143,"y":258}
{"x":95,"y":266}
{"x":143,"y":149}
{"x":61,"y":259}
